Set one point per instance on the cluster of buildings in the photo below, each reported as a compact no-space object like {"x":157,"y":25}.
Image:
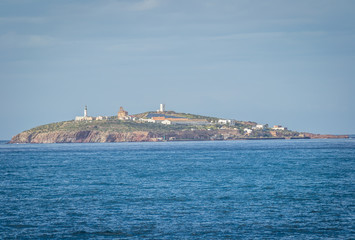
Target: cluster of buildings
{"x":226,"y":122}
{"x":275,"y":129}
{"x":88,"y":118}
{"x":169,"y":120}
{"x":162,"y":117}
{"x":121,"y":115}
{"x":248,"y":131}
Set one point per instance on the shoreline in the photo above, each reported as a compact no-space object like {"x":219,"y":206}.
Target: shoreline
{"x":191,"y":140}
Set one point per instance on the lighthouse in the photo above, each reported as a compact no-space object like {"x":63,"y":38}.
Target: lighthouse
{"x":85,"y":117}
{"x":162,"y":107}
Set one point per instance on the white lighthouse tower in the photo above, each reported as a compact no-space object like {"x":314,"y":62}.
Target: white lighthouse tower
{"x":162,"y":107}
{"x":85,"y":117}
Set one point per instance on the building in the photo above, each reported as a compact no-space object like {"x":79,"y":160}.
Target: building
{"x":258,"y":127}
{"x":147,"y":120}
{"x":132,"y":118}
{"x":122,"y":114}
{"x":178,"y":120}
{"x":158,"y":119}
{"x":278,"y":127}
{"x":248,"y":131}
{"x":101,"y":118}
{"x":85,"y":117}
{"x":166,"y":122}
{"x":226,"y":121}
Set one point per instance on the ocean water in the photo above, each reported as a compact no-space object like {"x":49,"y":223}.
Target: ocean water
{"x":275,"y":189}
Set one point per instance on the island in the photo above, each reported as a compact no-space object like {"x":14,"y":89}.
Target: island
{"x":156,"y":126}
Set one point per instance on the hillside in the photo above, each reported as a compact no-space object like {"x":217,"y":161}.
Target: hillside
{"x":114,"y":130}
{"x":179,"y":115}
{"x":110,"y":125}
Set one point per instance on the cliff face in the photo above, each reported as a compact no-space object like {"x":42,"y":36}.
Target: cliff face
{"x":134,"y":136}
{"x":142,"y":136}
{"x":81,"y":137}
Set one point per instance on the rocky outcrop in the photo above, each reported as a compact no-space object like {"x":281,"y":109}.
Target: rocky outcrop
{"x":92,"y":136}
{"x":134,"y":136}
{"x":81,"y":137}
{"x":318,"y":136}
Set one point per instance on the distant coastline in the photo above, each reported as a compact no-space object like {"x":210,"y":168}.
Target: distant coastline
{"x":157,"y":126}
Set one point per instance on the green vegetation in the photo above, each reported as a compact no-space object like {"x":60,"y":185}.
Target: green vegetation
{"x":112,"y":124}
{"x":182,"y":115}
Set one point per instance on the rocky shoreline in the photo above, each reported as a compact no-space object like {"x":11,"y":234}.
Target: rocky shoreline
{"x":145,"y":136}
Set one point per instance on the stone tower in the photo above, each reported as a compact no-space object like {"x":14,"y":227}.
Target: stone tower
{"x":122,"y":114}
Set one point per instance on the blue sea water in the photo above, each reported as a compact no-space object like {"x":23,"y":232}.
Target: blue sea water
{"x":276,"y":189}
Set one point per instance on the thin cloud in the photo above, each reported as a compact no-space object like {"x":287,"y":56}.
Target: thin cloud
{"x":268,"y":35}
{"x":145,"y":5}
{"x":19,"y":40}
{"x":114,"y":7}
{"x":40,"y":41}
{"x":4,"y":20}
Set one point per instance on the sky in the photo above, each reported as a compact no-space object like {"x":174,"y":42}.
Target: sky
{"x":282,"y":62}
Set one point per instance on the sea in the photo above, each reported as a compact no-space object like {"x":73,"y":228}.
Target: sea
{"x":249,"y":189}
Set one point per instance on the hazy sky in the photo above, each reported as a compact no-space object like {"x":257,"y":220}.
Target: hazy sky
{"x":279,"y":61}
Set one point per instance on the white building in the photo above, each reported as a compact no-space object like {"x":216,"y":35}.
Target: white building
{"x":128,"y":117}
{"x":278,"y":127}
{"x":226,"y":121}
{"x":101,"y":118}
{"x":166,"y":122}
{"x":258,"y":126}
{"x":247,"y":130}
{"x":147,"y":120}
